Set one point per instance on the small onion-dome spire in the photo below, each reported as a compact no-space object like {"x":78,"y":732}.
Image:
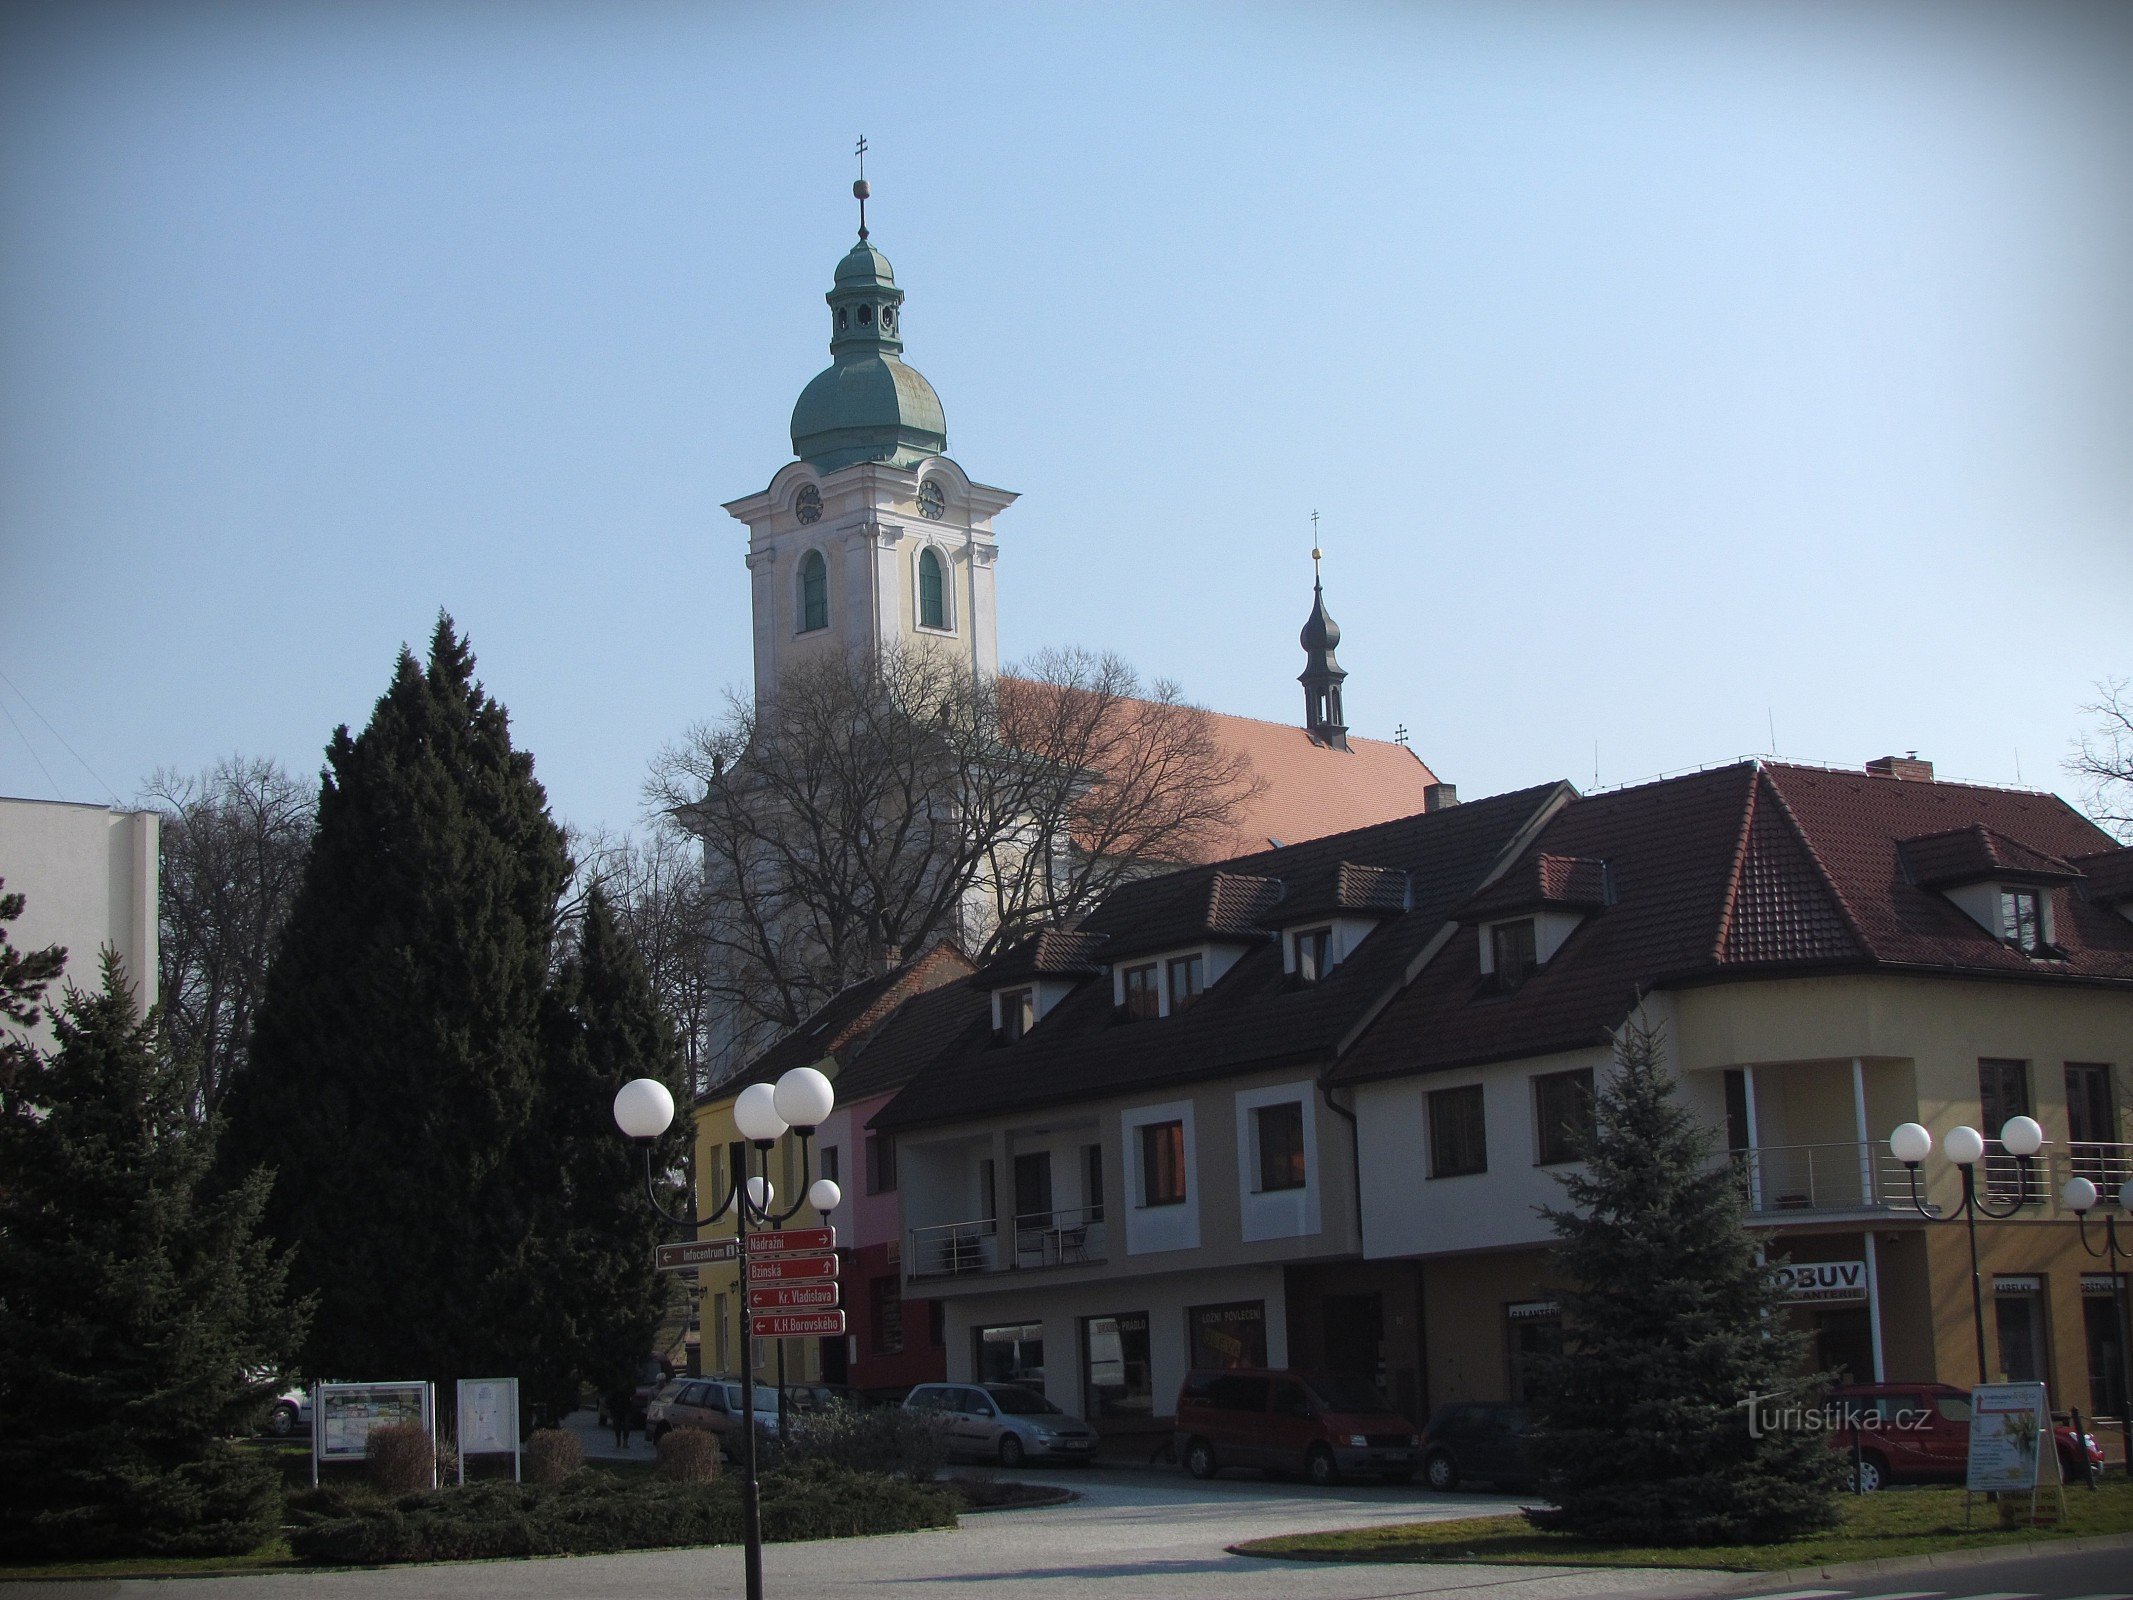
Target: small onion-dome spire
{"x":1322,"y":675}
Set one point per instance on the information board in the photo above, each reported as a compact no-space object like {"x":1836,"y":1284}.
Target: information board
{"x":488,"y":1421}
{"x":2010,"y":1439}
{"x":342,"y":1415}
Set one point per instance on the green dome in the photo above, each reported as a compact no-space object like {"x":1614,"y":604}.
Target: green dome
{"x":868,"y":405}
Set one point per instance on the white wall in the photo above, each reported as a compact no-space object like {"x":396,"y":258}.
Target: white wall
{"x":1169,"y":1227}
{"x":1279,"y":1213}
{"x":88,"y":875}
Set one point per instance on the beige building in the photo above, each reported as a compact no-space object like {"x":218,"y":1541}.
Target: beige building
{"x":88,"y":877}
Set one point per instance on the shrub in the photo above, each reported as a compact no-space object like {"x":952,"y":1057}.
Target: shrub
{"x":885,"y":1439}
{"x":595,"y":1512}
{"x":552,"y":1455}
{"x":401,"y":1457}
{"x":688,"y":1455}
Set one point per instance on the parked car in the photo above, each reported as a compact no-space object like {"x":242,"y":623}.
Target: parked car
{"x":712,"y":1404}
{"x":291,"y":1413}
{"x":652,"y":1376}
{"x":1920,"y":1432}
{"x":1279,"y":1421}
{"x":1485,"y":1439}
{"x":1002,"y":1422}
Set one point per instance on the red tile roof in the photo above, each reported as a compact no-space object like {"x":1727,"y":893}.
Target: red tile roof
{"x":1543,"y":879}
{"x":1313,"y":789}
{"x":1747,"y":871}
{"x":1972,"y":854}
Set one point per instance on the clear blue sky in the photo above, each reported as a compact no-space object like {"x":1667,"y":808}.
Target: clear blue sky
{"x":1661,"y":371}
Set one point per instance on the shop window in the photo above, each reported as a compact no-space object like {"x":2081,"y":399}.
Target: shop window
{"x":1229,"y":1335}
{"x":1562,"y":1110}
{"x":1162,"y":1163}
{"x":1278,"y":1130}
{"x":1010,"y":1353}
{"x":887,"y":1315}
{"x":1458,"y":1140}
{"x":1116,"y":1380}
{"x":2018,"y":1319}
{"x":1533,"y":1331}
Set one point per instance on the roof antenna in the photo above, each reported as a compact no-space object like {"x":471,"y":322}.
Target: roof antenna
{"x":860,"y":191}
{"x":1771,"y":713}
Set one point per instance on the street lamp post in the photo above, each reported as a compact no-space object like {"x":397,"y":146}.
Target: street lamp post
{"x":2020,"y":1137}
{"x":2080,"y":1197}
{"x":800,"y":1103}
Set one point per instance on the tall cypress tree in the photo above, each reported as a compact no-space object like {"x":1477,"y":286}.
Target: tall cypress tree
{"x":596,"y":1298}
{"x":135,"y":1299}
{"x":1671,"y":1323}
{"x":394,"y":1072}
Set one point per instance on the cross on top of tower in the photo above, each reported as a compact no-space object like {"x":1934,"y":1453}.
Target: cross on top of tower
{"x":860,"y":191}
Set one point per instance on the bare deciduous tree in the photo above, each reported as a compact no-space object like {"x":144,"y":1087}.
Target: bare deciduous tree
{"x":234,"y":842}
{"x":656,"y":886}
{"x":877,"y":805}
{"x":2103,"y":757}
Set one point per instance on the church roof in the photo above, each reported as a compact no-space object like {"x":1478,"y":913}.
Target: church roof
{"x":868,"y":404}
{"x":1312,"y":789}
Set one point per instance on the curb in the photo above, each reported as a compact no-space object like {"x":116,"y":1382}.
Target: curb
{"x":1058,"y":1497}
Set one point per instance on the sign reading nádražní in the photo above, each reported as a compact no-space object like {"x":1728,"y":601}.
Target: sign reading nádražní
{"x":781,"y":1241}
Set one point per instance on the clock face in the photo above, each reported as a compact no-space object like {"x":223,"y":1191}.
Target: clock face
{"x":807,"y":505}
{"x":931,"y":502}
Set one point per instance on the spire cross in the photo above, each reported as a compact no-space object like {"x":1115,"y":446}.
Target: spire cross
{"x":1314,"y":550}
{"x":860,"y":191}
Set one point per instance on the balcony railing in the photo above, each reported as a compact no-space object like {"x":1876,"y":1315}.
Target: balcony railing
{"x":1068,"y":1238}
{"x":1781,"y":1179}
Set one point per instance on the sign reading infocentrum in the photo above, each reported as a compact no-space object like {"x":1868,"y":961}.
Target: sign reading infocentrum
{"x":1822,"y":1281}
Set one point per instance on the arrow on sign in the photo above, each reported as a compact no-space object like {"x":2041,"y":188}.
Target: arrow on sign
{"x":697,"y":1253}
{"x":807,"y":1326}
{"x":799,"y":1294}
{"x":779,"y":1269}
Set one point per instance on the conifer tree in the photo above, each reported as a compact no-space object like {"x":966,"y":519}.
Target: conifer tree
{"x":597,"y":1299}
{"x":24,"y":976}
{"x":1670,"y":1324}
{"x":394,"y":1072}
{"x":134,"y":1300}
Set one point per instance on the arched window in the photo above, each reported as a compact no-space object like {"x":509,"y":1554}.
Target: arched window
{"x":932,"y":592}
{"x":814,"y":592}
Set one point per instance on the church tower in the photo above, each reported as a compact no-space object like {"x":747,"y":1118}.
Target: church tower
{"x":1322,"y":675}
{"x":872,"y":539}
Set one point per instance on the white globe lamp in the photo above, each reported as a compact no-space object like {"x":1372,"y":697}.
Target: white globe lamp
{"x":804,"y":1097}
{"x":1911,"y":1144}
{"x":2079,"y":1194}
{"x":1965,"y":1146}
{"x":643,"y":1108}
{"x":2022,"y":1136}
{"x":761,"y":1193}
{"x":755,"y":1113}
{"x":824,"y":1195}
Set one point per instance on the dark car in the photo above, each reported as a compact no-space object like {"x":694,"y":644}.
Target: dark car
{"x":1476,"y":1439}
{"x":1920,"y":1433}
{"x":1278,"y":1421}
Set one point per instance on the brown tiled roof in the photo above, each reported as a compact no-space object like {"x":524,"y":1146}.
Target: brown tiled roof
{"x":1972,"y":854}
{"x":1047,"y":953}
{"x":1543,"y":879}
{"x":1185,"y":908}
{"x":1351,"y":889}
{"x":2107,"y":877}
{"x":1254,"y":1017}
{"x":1747,"y":871}
{"x":924,"y":1026}
{"x":844,"y":1020}
{"x":1312,"y":789}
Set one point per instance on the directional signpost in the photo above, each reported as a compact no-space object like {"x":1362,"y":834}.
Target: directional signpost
{"x":791,"y":1296}
{"x":789,"y":1271}
{"x":697,"y":1253}
{"x":786,"y":1269}
{"x":801,"y":1325}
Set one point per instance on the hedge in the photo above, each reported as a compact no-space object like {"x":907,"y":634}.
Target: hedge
{"x":595,"y":1512}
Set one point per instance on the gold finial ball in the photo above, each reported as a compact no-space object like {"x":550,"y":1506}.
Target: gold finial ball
{"x":1315,"y":554}
{"x":860,"y":191}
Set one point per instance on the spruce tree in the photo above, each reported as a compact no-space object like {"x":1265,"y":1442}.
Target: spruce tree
{"x":596,"y":1298}
{"x":1670,"y":1324}
{"x":135,"y":1300}
{"x":394,"y":1068}
{"x":24,"y":976}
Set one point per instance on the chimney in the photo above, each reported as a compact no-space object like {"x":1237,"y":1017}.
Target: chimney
{"x":887,"y":959}
{"x":1907,"y":767}
{"x":1440,"y":796}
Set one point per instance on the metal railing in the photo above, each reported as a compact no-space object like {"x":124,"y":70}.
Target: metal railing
{"x":1781,"y":1179}
{"x":1067,"y":1237}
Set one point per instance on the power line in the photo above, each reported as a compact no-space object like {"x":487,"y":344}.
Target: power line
{"x":34,"y":756}
{"x":62,"y":738}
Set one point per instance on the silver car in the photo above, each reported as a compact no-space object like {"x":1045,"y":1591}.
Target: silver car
{"x":1002,"y":1422}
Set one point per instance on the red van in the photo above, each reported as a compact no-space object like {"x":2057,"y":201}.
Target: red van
{"x":1323,"y":1427}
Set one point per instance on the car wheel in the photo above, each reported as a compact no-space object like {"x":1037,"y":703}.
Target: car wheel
{"x":281,"y":1421}
{"x":1440,"y":1471}
{"x":1872,"y":1473}
{"x":1200,"y":1459}
{"x":1010,"y":1451}
{"x":1320,"y":1467}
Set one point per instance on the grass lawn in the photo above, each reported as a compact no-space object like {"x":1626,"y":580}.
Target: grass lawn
{"x":1897,"y":1522}
{"x":270,"y":1557}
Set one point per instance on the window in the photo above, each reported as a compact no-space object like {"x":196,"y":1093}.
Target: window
{"x":1562,"y":1110}
{"x":2022,"y":919}
{"x":1511,"y":952}
{"x":881,"y":1163}
{"x":932,"y":592}
{"x":1533,"y":1331}
{"x":2002,"y":1092}
{"x":1141,"y":997}
{"x":937,"y":1323}
{"x":721,"y":1331}
{"x":1162,"y":1163}
{"x":1186,"y":977}
{"x":1010,"y":1353}
{"x":832,"y":1165}
{"x":2091,"y":1118}
{"x":1228,"y":1335}
{"x":886,"y":1323}
{"x":1115,"y":1376}
{"x":1314,"y":954}
{"x":814,"y":592}
{"x":1092,"y":1180}
{"x":1458,"y":1143}
{"x":1279,"y":1132}
{"x":1018,"y":1013}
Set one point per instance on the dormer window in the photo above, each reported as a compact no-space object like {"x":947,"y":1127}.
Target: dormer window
{"x":1188,"y":976}
{"x":1143,"y":1000}
{"x":1314,"y":954}
{"x":2022,"y":919}
{"x":1018,"y":1013}
{"x":1512,"y":951}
